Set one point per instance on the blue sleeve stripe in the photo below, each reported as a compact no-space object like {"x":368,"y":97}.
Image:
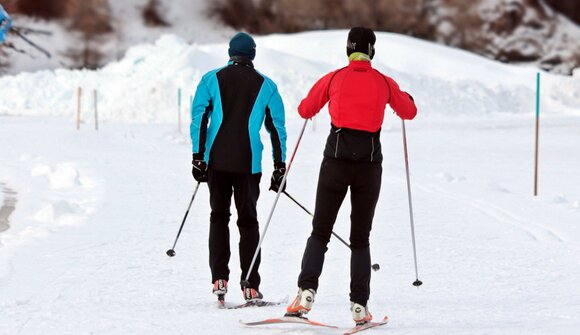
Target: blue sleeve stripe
{"x":217,"y":117}
{"x":277,"y":113}
{"x":268,"y":100}
{"x":254,"y":125}
{"x":274,"y":137}
{"x":203,"y":108}
{"x":199,"y":109}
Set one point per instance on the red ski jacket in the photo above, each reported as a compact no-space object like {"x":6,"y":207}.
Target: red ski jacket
{"x":358,"y":95}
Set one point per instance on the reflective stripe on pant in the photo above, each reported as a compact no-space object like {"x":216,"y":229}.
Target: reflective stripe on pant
{"x":336,"y":177}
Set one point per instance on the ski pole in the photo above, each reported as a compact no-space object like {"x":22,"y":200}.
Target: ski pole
{"x":245,"y":282}
{"x":171,"y":252}
{"x":307,"y":211}
{"x":417,"y":282}
{"x":25,"y":30}
{"x":11,"y":46}
{"x":375,"y":266}
{"x":36,"y":46}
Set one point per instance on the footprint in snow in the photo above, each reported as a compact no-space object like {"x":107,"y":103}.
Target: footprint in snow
{"x":61,"y":212}
{"x":499,"y":188}
{"x":450,"y":178}
{"x":560,"y":199}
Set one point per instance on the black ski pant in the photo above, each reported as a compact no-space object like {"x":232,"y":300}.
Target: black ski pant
{"x":246,"y":190}
{"x":336,"y":177}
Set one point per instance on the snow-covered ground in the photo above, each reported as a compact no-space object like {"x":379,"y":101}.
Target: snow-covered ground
{"x":96,"y":211}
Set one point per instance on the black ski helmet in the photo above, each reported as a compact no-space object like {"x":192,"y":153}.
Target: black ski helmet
{"x":361,"y":39}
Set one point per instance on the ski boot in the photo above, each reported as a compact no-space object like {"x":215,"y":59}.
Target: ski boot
{"x":251,"y":294}
{"x":302,"y":303}
{"x":360,"y":314}
{"x":220,"y":288}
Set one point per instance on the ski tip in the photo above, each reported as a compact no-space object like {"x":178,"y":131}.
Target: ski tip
{"x":366,"y":326}
{"x":246,"y":324}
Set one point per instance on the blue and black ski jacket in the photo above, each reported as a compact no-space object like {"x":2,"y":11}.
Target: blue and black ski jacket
{"x":5,"y":24}
{"x":229,"y":108}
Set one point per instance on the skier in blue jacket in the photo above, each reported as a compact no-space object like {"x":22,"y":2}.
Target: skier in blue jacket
{"x":229,"y":108}
{"x":5,"y":24}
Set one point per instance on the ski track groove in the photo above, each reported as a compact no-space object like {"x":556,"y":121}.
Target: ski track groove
{"x":538,"y":232}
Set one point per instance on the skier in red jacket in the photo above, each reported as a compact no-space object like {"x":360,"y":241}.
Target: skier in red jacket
{"x":357,"y":95}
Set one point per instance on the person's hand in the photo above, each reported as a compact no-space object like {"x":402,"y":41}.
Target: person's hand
{"x":277,"y":176}
{"x":199,"y":169}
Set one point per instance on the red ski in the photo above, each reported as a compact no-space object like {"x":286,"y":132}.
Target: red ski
{"x":288,"y":319}
{"x":367,"y":326}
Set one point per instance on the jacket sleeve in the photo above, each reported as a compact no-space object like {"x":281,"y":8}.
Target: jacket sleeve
{"x":316,"y":98}
{"x":201,"y":108}
{"x":5,"y":24}
{"x":401,"y":102}
{"x":275,"y":125}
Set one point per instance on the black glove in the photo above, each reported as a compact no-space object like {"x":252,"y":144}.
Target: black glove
{"x":277,"y":176}
{"x":199,"y":169}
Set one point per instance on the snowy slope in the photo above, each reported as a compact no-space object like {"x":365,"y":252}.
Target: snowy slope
{"x":85,"y":253}
{"x":143,"y":86}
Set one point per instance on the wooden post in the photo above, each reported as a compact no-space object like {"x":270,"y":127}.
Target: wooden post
{"x":95,"y":98}
{"x":79,"y":94}
{"x":537,"y":134}
{"x":179,"y":109}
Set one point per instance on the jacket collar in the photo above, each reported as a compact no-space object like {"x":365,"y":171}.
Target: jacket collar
{"x":359,"y":64}
{"x":239,"y":60}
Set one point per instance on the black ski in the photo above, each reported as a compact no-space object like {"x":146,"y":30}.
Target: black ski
{"x":257,"y":303}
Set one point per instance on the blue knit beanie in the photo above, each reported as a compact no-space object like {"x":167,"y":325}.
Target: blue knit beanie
{"x":242,"y":45}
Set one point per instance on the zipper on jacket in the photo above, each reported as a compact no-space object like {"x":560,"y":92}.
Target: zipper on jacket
{"x":373,"y":148}
{"x":337,"y":139}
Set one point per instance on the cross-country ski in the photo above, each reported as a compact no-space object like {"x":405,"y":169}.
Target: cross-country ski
{"x":368,"y":325}
{"x":258,"y":303}
{"x":288,"y":319}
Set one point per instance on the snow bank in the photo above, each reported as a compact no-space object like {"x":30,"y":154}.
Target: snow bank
{"x":143,"y":86}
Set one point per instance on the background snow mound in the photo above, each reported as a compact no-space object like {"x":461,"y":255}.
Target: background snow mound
{"x":142,"y":87}
{"x":63,"y":175}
